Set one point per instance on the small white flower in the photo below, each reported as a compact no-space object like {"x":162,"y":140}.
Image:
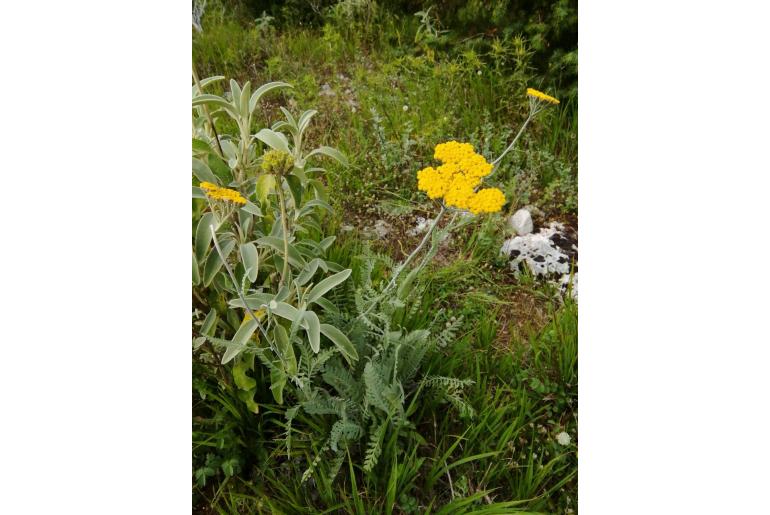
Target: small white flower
{"x":478,"y":72}
{"x":405,"y":108}
{"x":563,"y":438}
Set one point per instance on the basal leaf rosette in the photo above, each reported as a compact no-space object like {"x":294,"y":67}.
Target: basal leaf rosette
{"x":455,"y":181}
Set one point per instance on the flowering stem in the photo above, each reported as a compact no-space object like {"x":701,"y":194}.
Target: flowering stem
{"x":235,"y":282}
{"x":406,"y":262}
{"x":285,"y":229}
{"x":416,"y":251}
{"x":496,"y":162}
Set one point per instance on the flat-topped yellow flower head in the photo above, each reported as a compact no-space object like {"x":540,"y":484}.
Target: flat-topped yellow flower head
{"x":457,"y":178}
{"x":215,"y":192}
{"x":539,"y":95}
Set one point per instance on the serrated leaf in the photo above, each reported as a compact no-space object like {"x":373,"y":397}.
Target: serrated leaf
{"x":327,"y":284}
{"x":250,"y":260}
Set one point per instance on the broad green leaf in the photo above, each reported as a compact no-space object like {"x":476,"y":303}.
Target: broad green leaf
{"x":248,"y":398}
{"x":288,"y":358}
{"x":244,"y":101}
{"x":308,"y":272}
{"x":220,"y":169}
{"x":290,"y":118}
{"x":203,"y":235}
{"x":329,"y":152}
{"x":205,"y":82}
{"x":250,"y":260}
{"x":276,"y":243}
{"x":295,"y":187}
{"x":327,"y":305}
{"x":277,"y":382}
{"x":202,"y":171}
{"x":242,"y":365}
{"x":288,"y":312}
{"x":215,"y":101}
{"x":252,"y":209}
{"x":264,"y":88}
{"x":327,"y":284}
{"x":200,"y":146}
{"x":255,"y":300}
{"x":265,"y":184}
{"x":238,"y":343}
{"x":229,"y":148}
{"x":273,"y":139}
{"x":327,"y":242}
{"x":341,"y":341}
{"x":197,"y":342}
{"x":304,"y":119}
{"x":209,"y":323}
{"x":310,"y":206}
{"x":196,"y":273}
{"x":198,"y":193}
{"x":313,"y":330}
{"x":214,"y":262}
{"x":235,"y":92}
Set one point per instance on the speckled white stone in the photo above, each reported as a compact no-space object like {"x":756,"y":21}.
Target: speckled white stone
{"x":521,"y":222}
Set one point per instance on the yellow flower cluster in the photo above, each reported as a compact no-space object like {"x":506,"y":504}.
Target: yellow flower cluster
{"x":456,"y":179}
{"x":541,"y":96}
{"x":277,"y":162}
{"x":215,"y":192}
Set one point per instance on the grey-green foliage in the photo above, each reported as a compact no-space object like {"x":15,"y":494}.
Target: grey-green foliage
{"x":371,"y":398}
{"x":266,"y":254}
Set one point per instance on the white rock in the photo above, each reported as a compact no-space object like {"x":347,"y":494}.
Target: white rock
{"x":521,"y":222}
{"x":423,"y":225}
{"x":540,"y":251}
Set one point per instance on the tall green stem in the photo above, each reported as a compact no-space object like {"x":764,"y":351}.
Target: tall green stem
{"x":285,"y":230}
{"x":406,"y":262}
{"x":235,"y":281}
{"x":496,"y":162}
